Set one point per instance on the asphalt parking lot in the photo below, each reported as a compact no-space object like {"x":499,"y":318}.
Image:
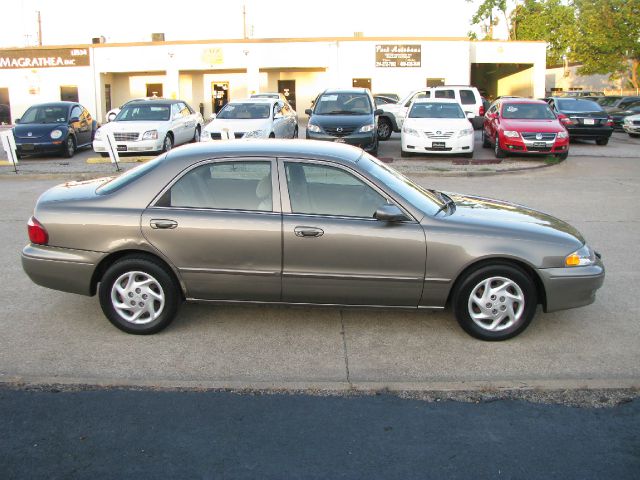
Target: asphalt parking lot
{"x":53,"y":337}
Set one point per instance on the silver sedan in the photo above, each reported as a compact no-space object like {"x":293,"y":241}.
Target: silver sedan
{"x":301,"y":222}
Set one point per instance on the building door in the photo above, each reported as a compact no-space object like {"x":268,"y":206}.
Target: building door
{"x":154,"y":90}
{"x":219,"y":95}
{"x":69,"y":93}
{"x":5,"y":107}
{"x":288,"y":89}
{"x":362,"y":83}
{"x":107,"y":96}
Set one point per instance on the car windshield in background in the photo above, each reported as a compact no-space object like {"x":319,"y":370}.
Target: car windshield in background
{"x":245,"y":111}
{"x":144,"y":113}
{"x":45,"y":115}
{"x":577,"y":106}
{"x":343,"y":104}
{"x":608,"y":101}
{"x":527,"y":111}
{"x":265,"y":95}
{"x":436,"y":110}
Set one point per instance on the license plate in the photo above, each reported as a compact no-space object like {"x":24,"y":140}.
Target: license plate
{"x":122,"y":148}
{"x":438,"y":145}
{"x":27,"y":146}
{"x":589,"y":121}
{"x":539,"y":144}
{"x":339,"y":140}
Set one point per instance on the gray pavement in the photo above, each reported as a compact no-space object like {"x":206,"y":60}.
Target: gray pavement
{"x":49,"y":336}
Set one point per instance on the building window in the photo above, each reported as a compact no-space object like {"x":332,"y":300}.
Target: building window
{"x":154,"y":90}
{"x":69,"y":93}
{"x":107,"y":96}
{"x":435,"y":82}
{"x":362,"y":83}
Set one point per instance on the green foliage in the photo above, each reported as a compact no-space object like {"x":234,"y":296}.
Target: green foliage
{"x":488,"y":16}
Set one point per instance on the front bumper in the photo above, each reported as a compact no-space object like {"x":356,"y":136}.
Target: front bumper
{"x":26,"y":148}
{"x":571,"y":287}
{"x":366,"y":141}
{"x":518,"y":145}
{"x":61,"y":269}
{"x":124,"y":147}
{"x":631,"y":128}
{"x":423,"y":144}
{"x":589,"y":132}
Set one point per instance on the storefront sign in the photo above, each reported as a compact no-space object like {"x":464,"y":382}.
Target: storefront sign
{"x":44,"y":58}
{"x":398,"y":55}
{"x":212,"y":56}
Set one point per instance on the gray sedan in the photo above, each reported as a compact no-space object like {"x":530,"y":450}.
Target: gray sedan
{"x":301,"y":222}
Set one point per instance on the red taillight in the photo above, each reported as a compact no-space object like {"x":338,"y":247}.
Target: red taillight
{"x":481,"y":111}
{"x":609,"y":122}
{"x":37,"y":233}
{"x":565,"y":120}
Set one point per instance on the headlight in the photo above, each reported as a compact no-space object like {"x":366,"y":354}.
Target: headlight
{"x":150,"y":135}
{"x":55,"y":134}
{"x":580,"y":258}
{"x":367,"y":128}
{"x":98,"y":135}
{"x":465,"y":132}
{"x":410,"y":131}
{"x":627,"y":121}
{"x":563,"y":134}
{"x":313,"y":128}
{"x":254,"y":134}
{"x":511,"y":134}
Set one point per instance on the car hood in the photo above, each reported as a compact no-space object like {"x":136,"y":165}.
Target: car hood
{"x":522,"y":125}
{"x":333,"y":121}
{"x":137,"y":127}
{"x":239,"y":125}
{"x":497,"y":217}
{"x":451,"y":124}
{"x":36,"y":130}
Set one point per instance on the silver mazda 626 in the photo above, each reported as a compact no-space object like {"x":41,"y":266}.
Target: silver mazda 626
{"x":305,"y":223}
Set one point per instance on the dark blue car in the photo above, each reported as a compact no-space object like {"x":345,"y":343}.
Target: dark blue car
{"x":56,"y":127}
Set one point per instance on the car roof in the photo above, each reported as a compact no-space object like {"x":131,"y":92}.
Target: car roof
{"x":435,"y":100}
{"x":155,"y":101}
{"x":255,"y":100}
{"x":346,"y":90}
{"x":521,"y":100}
{"x":54,"y":104}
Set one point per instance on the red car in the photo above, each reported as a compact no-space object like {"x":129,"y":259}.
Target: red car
{"x":521,"y":125}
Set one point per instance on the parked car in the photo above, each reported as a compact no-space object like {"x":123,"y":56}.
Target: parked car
{"x":579,"y":93}
{"x":393,"y":96}
{"x":382,"y":100}
{"x":253,"y":118}
{"x":345,"y":116}
{"x":113,"y":113}
{"x":56,"y":127}
{"x":631,"y":125}
{"x":619,"y":114}
{"x":437,"y":126}
{"x":276,"y":96}
{"x":301,"y":222}
{"x":583,"y":118}
{"x":151,"y":126}
{"x":393,"y":115}
{"x":520,"y":125}
{"x":613,"y":102}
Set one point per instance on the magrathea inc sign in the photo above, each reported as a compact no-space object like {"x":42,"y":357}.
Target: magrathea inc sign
{"x":44,"y":58}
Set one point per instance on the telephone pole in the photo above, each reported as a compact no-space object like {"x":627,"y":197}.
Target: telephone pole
{"x":39,"y":29}
{"x":244,"y":20}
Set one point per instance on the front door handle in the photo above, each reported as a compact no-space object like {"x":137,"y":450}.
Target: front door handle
{"x":163,"y":223}
{"x":308,"y":232}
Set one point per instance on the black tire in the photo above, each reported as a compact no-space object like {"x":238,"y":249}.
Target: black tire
{"x":164,"y":285}
{"x":69,"y":148}
{"x":196,"y":135}
{"x":104,"y":154}
{"x":405,"y":154}
{"x":563,"y":156}
{"x":468,"y":155}
{"x":272,"y":135}
{"x":497,"y":150}
{"x":485,"y":143}
{"x":634,"y":135}
{"x":602,"y":141}
{"x":473,"y":280}
{"x":384,"y":129}
{"x":167,"y":143}
{"x":295,"y":132}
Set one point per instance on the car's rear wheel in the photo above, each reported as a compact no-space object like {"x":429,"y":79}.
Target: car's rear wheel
{"x":495,"y":302}
{"x":497,"y":150}
{"x":167,"y":144}
{"x":485,"y":141}
{"x":139,"y":296}
{"x":196,"y":135}
{"x":384,"y":129}
{"x":69,"y":147}
{"x":602,"y":141}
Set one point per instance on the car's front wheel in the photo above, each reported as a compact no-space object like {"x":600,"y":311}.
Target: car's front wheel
{"x":384,"y":129}
{"x":138,"y":295}
{"x":485,"y":140}
{"x":602,"y":141}
{"x":495,"y":302}
{"x":497,"y":150}
{"x":69,"y":147}
{"x":167,"y":144}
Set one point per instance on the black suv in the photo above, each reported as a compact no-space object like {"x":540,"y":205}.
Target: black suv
{"x":583,"y":118}
{"x":346,"y":116}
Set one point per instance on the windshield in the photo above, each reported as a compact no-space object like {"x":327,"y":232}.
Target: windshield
{"x":527,"y":111}
{"x":245,"y":111}
{"x":44,"y":114}
{"x":423,"y":199}
{"x":343,"y":104}
{"x":578,"y":106}
{"x":144,"y":113}
{"x":265,"y":95}
{"x":129,"y":176}
{"x":436,"y":110}
{"x":608,"y":101}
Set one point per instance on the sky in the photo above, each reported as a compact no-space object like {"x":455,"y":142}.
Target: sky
{"x":134,"y":20}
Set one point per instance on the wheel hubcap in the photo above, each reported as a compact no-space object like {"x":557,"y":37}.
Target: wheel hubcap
{"x":383,"y":129}
{"x":496,"y":304}
{"x":137,"y":297}
{"x":70,"y":145}
{"x":167,"y":144}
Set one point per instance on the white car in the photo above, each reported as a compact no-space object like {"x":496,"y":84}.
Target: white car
{"x":113,"y":113}
{"x":252,"y":118}
{"x":631,"y":125}
{"x":151,"y":126}
{"x":437,"y":126}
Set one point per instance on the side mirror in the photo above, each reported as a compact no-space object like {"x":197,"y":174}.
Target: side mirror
{"x":111,"y":117}
{"x":17,"y":120}
{"x":389,"y":213}
{"x":74,"y":120}
{"x":308,"y":111}
{"x":378,"y":111}
{"x":212,"y":116}
{"x":470,"y":115}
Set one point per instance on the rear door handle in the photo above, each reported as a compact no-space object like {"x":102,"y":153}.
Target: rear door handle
{"x":308,"y":232}
{"x":163,"y":223}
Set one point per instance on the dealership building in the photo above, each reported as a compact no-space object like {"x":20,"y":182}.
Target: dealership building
{"x":209,"y":73}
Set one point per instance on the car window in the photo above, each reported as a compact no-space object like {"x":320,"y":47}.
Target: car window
{"x":325,"y":190}
{"x":445,"y":94}
{"x":626,"y":103}
{"x":578,"y":106}
{"x":467,"y":97}
{"x":436,"y":110}
{"x":417,"y":96}
{"x":144,"y":112}
{"x":76,"y":112}
{"x":130,"y":176}
{"x":225,"y":185}
{"x":86,"y":114}
{"x":184,"y":110}
{"x":608,"y":101}
{"x":532,"y":111}
{"x":346,"y":103}
{"x":245,"y":111}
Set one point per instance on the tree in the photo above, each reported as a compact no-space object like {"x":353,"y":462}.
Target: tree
{"x":608,"y":39}
{"x":488,"y":16}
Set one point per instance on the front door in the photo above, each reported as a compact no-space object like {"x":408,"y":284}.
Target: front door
{"x":288,"y":89}
{"x":335,"y":252}
{"x":219,"y":95}
{"x":221,"y":227}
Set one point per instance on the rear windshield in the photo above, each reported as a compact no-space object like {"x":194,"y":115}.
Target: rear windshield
{"x":343,"y":104}
{"x":608,"y":101}
{"x":578,"y":106}
{"x":144,"y":113}
{"x":245,"y":111}
{"x":531,"y":111}
{"x":129,"y":176}
{"x":436,"y":110}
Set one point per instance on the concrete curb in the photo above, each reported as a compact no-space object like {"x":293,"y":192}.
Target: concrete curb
{"x":98,"y":160}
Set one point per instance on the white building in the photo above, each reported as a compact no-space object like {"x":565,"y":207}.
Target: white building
{"x":208,"y":73}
